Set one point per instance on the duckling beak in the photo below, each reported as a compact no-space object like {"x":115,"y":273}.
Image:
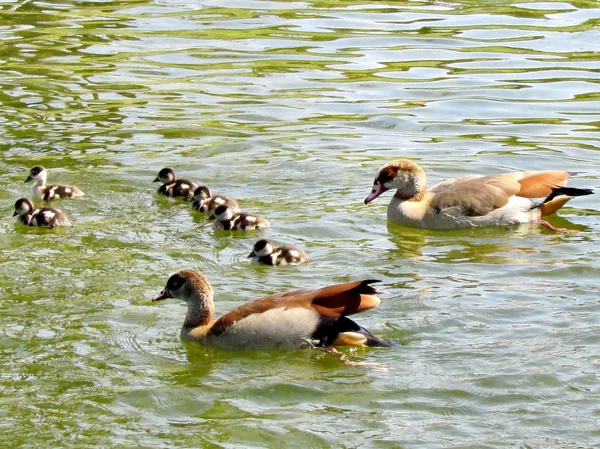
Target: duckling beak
{"x":251,"y":255}
{"x":378,"y":189}
{"x":155,"y":180}
{"x":15,"y":213}
{"x":164,"y":294}
{"x":29,"y":179}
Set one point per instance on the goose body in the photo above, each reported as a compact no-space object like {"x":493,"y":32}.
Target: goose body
{"x":173,"y":187}
{"x":264,"y":252}
{"x":297,"y":319}
{"x":471,"y":201}
{"x":229,"y":220}
{"x":50,"y":192}
{"x":47,"y":217}
{"x":205,"y":201}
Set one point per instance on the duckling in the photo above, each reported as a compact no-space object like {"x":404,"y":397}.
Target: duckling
{"x":265,"y":253}
{"x":53,"y":191}
{"x":229,"y":220}
{"x":47,"y":217}
{"x":296,"y":319}
{"x":175,"y":188}
{"x":205,"y":201}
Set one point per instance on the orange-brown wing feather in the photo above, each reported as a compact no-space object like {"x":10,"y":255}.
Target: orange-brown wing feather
{"x":335,"y":301}
{"x":478,"y":196}
{"x":345,"y":299}
{"x":540,"y":184}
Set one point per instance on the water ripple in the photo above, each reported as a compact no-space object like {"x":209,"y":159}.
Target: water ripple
{"x":290,"y":106}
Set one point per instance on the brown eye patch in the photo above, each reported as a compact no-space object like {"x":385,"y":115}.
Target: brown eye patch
{"x":36,"y":170}
{"x":387,"y":174}
{"x":175,"y":282}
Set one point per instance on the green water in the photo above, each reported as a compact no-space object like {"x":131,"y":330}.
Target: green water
{"x":291,"y":107}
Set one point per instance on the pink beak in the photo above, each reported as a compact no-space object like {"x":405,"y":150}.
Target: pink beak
{"x":164,"y":294}
{"x":377,"y":190}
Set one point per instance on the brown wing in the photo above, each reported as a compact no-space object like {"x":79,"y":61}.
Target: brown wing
{"x":540,"y":184}
{"x":478,"y":196}
{"x":335,"y":301}
{"x":452,"y":183}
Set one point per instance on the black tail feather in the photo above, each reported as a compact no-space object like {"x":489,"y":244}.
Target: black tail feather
{"x":375,"y":341}
{"x":364,"y":287}
{"x":329,"y":328}
{"x":568,"y":191}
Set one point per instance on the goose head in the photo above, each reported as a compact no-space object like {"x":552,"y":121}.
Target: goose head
{"x":187,"y":285}
{"x":405,"y":176}
{"x":193,"y":288}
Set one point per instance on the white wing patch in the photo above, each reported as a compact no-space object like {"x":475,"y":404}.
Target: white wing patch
{"x":50,"y":192}
{"x":48,"y":215}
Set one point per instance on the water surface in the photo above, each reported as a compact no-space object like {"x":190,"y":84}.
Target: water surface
{"x":291,"y":107}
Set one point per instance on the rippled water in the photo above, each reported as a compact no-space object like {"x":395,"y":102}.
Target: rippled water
{"x":291,"y":107}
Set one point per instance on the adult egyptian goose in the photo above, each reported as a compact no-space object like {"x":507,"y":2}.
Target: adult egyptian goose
{"x":471,"y":201}
{"x":181,"y":188}
{"x":264,"y":252}
{"x":47,"y":217}
{"x":297,"y":319}
{"x":229,"y":220}
{"x":205,"y":201}
{"x":53,"y":191}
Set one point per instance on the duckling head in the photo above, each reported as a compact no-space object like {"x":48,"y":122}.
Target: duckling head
{"x":165,"y":176}
{"x":38,"y":174}
{"x":222,"y":213}
{"x":261,"y":248}
{"x":22,"y":207}
{"x":202,"y":193}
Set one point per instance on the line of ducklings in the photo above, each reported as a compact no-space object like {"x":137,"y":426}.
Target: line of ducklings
{"x":227,"y":216}
{"x":223,"y":210}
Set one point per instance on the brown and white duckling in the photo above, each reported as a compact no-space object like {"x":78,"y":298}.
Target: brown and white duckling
{"x":265,"y":253}
{"x":52,"y":191}
{"x":205,"y":201}
{"x":229,"y":220}
{"x":472,"y":201}
{"x":175,"y":187}
{"x":297,"y":319}
{"x":47,"y":217}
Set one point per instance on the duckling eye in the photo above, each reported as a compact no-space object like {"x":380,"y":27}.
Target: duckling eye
{"x":175,"y":282}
